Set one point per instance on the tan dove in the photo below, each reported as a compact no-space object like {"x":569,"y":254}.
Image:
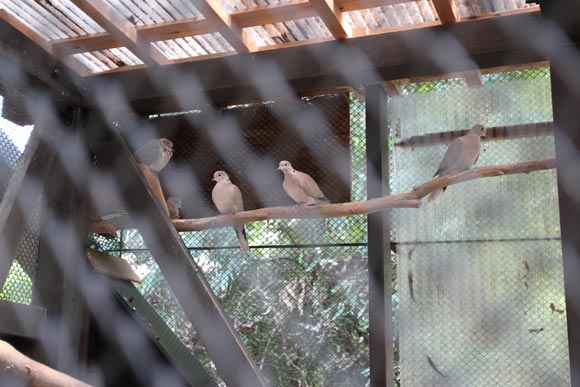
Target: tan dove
{"x":300,"y":186}
{"x":462,"y":153}
{"x":174,"y":205}
{"x":227,"y":198}
{"x":155,"y":153}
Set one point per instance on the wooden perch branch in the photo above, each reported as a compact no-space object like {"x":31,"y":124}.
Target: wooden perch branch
{"x":22,"y":370}
{"x":411,"y":199}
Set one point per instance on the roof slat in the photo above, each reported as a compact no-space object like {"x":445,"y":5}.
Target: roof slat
{"x":447,"y":11}
{"x":220,"y":19}
{"x":331,"y":14}
{"x":121,"y":29}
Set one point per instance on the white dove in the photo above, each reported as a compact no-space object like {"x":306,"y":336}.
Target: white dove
{"x":174,"y":205}
{"x":462,"y":153}
{"x":300,"y":186}
{"x":227,"y":198}
{"x":155,"y":153}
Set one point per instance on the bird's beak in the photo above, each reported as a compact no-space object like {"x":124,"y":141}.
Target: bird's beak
{"x":279,"y":168}
{"x":214,"y":180}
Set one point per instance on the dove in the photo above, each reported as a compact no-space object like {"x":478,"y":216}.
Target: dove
{"x":462,"y":153}
{"x":300,"y":186}
{"x":155,"y":153}
{"x":174,"y":205}
{"x":227,"y":198}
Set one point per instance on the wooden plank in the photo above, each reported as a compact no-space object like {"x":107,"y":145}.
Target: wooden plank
{"x":71,"y":62}
{"x":447,"y":11}
{"x":31,"y":171}
{"x":86,"y":43}
{"x":198,"y":301}
{"x":21,"y":320}
{"x":330,"y":13}
{"x":62,"y":262}
{"x":175,"y":29}
{"x":356,"y":5}
{"x":121,"y":29}
{"x":172,"y":347}
{"x":273,"y":13}
{"x":393,"y":88}
{"x":387,"y":57}
{"x":380,"y":310}
{"x":217,"y":16}
{"x":111,"y":266}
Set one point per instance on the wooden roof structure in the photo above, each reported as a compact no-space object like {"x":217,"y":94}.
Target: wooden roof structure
{"x":104,"y":36}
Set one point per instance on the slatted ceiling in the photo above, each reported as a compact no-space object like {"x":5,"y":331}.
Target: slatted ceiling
{"x":193,"y":46}
{"x":391,"y":16}
{"x":468,"y":8}
{"x":106,"y":60}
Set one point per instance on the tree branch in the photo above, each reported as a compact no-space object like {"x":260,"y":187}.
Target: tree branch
{"x":22,"y":370}
{"x":411,"y":199}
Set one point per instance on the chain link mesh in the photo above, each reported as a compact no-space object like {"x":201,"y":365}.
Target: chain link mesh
{"x":480,"y":274}
{"x":299,"y":300}
{"x":20,"y":280}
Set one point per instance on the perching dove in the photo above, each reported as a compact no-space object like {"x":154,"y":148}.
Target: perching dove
{"x":462,"y":153}
{"x":155,"y":153}
{"x":227,"y":198}
{"x":300,"y":186}
{"x":173,"y":205}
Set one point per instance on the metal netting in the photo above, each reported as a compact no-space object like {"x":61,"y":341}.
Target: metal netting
{"x":299,"y":299}
{"x":13,"y":138}
{"x":480,"y":282}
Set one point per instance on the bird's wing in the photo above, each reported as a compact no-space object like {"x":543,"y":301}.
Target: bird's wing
{"x":148,"y":153}
{"x":309,"y":186}
{"x":237,"y":201}
{"x":452,"y":156}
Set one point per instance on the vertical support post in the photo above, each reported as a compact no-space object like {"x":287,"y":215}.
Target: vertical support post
{"x":565,"y":101}
{"x":62,"y":261}
{"x":564,"y":63}
{"x":380,"y":315}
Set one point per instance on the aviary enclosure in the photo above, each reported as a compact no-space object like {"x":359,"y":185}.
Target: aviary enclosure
{"x":376,"y":285}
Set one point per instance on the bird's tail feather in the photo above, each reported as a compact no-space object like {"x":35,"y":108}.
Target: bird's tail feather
{"x":241,"y":234}
{"x":436,"y":196}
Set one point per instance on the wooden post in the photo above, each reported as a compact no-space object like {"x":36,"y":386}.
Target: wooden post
{"x":215,"y":330}
{"x":380,"y":316}
{"x":62,"y":259}
{"x":30,"y":172}
{"x":565,"y":16}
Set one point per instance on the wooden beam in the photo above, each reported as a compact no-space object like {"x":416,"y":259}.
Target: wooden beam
{"x":175,"y":29}
{"x":121,"y":29}
{"x":217,"y":16}
{"x":71,"y":62}
{"x":447,"y":11}
{"x":86,"y":43}
{"x":380,"y":310}
{"x":274,"y":13}
{"x":331,"y":15}
{"x":201,"y":306}
{"x":31,"y":171}
{"x":21,"y":320}
{"x":61,"y":261}
{"x":356,"y":5}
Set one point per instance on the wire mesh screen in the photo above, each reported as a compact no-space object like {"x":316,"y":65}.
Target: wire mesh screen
{"x":13,"y":137}
{"x":480,"y":274}
{"x":299,"y":299}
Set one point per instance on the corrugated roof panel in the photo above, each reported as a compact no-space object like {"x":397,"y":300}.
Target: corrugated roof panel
{"x":392,"y":16}
{"x":56,"y":19}
{"x":147,"y":12}
{"x":469,"y":8}
{"x":290,"y":31}
{"x":104,"y":60}
{"x":193,"y":46}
